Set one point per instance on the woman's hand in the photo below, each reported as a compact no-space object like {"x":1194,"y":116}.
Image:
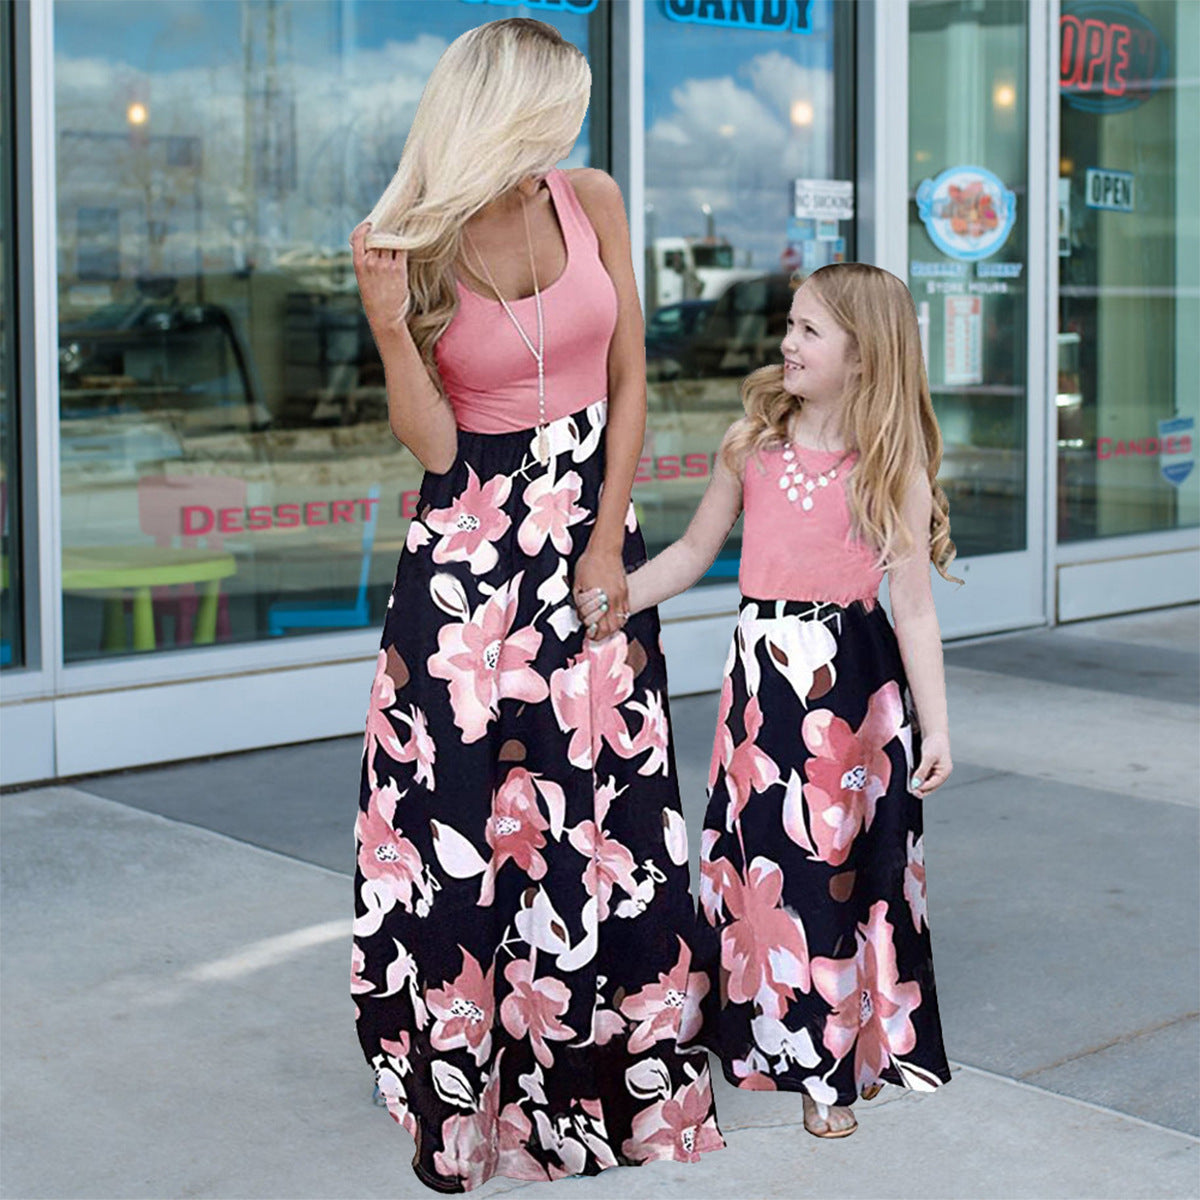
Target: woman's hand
{"x":382,"y":282}
{"x":935,"y":765}
{"x":601,"y":592}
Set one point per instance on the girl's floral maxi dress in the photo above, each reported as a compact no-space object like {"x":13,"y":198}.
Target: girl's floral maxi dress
{"x":814,"y":928}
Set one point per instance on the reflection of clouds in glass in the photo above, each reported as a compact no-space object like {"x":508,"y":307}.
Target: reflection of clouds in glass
{"x":336,"y":124}
{"x":693,"y":158}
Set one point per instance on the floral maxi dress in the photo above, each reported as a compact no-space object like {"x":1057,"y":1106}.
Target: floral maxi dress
{"x":521,"y":955}
{"x":814,"y":928}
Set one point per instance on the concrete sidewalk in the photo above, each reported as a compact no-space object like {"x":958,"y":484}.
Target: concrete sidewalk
{"x":175,"y":964}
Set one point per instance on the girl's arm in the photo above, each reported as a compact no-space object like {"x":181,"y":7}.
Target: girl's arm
{"x":677,"y":567}
{"x":921,"y":641}
{"x":419,"y":415}
{"x":601,"y":565}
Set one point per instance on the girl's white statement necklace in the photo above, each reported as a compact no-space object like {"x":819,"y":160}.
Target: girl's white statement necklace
{"x":539,"y":353}
{"x":799,"y":481}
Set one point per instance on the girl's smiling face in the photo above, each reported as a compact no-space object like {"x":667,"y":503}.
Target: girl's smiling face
{"x":818,"y":355}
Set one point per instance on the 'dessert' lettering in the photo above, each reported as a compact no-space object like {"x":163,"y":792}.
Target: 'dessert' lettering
{"x":196,"y":520}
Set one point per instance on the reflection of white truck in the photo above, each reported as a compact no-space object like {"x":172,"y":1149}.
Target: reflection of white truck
{"x":680,"y":268}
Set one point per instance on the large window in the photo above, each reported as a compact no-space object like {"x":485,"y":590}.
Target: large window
{"x":749,"y":146}
{"x":1128,"y":268}
{"x":227,"y":468}
{"x":11,"y":626}
{"x":968,"y":114}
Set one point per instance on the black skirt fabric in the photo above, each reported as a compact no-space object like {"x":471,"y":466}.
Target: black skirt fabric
{"x":522,"y":955}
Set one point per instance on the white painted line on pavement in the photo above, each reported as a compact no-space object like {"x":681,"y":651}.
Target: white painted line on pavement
{"x":258,"y":956}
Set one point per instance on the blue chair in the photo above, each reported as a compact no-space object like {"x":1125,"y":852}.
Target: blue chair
{"x":319,"y":614}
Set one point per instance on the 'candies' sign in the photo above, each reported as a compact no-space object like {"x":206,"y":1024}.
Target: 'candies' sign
{"x":775,"y":16}
{"x":1111,"y":57}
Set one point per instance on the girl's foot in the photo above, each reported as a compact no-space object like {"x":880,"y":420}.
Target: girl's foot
{"x":871,"y":1090}
{"x":828,"y":1121}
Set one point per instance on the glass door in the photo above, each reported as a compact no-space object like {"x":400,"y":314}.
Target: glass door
{"x":973,"y":249}
{"x":1128,"y":269}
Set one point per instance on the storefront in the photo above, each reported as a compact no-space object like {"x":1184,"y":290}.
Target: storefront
{"x":202,"y":504}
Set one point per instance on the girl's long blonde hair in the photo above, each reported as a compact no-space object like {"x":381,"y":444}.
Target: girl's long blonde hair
{"x":505,"y":101}
{"x":886,"y":415}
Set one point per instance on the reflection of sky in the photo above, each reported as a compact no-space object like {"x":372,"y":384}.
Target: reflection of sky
{"x":719,"y":129}
{"x":351,"y":71}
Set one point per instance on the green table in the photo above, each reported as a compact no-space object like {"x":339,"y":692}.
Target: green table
{"x":117,"y":571}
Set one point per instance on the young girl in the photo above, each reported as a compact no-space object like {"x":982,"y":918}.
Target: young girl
{"x":814,"y":937}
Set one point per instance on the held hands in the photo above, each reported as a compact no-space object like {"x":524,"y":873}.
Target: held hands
{"x":601,"y":593}
{"x":935,"y":766}
{"x":382,"y":282}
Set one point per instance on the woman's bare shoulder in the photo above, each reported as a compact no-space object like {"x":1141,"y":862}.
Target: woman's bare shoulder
{"x":598,"y":192}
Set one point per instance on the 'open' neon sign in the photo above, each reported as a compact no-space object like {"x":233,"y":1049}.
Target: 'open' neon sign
{"x":1111,"y":57}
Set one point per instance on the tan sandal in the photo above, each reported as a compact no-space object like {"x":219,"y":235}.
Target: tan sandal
{"x":815,"y":1111}
{"x":871,"y":1090}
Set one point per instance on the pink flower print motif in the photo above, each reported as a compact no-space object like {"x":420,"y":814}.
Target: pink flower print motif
{"x":872,"y":1009}
{"x":586,"y":697}
{"x":669,"y":1008}
{"x":717,"y":876}
{"x":553,"y":509}
{"x":472,"y":525}
{"x":533,"y":1007}
{"x":763,"y":947}
{"x":515,"y":1133}
{"x":914,"y":882}
{"x":654,"y":735}
{"x":485,"y":661}
{"x":470,"y":1143}
{"x":609,"y":862}
{"x":419,"y":748}
{"x":723,"y":742}
{"x":678,"y":1128}
{"x":514,"y":831}
{"x":748,"y":769}
{"x":384,"y":854}
{"x":380,"y":733}
{"x":848,"y":771}
{"x":358,"y":963}
{"x":464,"y":1010}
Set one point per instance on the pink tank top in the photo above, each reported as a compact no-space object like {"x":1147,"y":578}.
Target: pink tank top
{"x":488,"y":373}
{"x":793,"y":552}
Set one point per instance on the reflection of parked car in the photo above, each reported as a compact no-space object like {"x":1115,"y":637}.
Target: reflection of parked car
{"x":149,"y":354}
{"x":669,"y":333}
{"x":743,"y":329}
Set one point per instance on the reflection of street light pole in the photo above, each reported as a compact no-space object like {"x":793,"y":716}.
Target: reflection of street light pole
{"x":710,"y":224}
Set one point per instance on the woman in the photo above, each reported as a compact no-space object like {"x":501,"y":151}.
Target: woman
{"x":520,"y":959}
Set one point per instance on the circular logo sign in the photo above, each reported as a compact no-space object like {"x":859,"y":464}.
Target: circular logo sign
{"x":967,"y":211}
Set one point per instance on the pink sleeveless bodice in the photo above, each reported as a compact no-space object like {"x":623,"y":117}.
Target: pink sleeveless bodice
{"x":790,"y":552}
{"x":488,"y":372}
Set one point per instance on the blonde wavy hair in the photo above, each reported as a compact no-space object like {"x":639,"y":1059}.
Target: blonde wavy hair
{"x":887,"y":414}
{"x":505,"y":101}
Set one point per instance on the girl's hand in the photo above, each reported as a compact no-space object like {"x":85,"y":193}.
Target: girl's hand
{"x":382,"y":282}
{"x":601,"y":592}
{"x":935,"y":765}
